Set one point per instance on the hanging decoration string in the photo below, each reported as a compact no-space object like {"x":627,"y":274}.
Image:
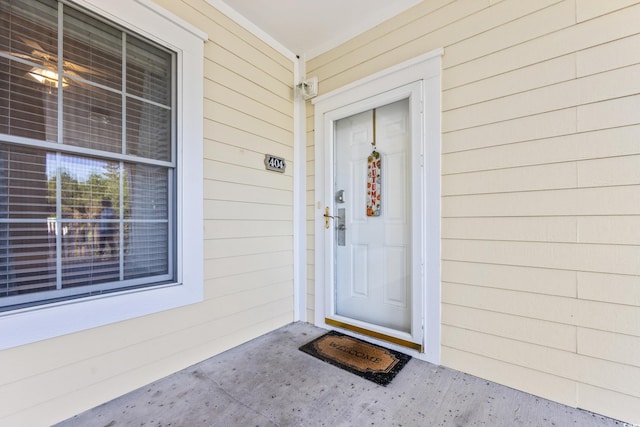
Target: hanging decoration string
{"x":374,"y":129}
{"x":374,"y":172}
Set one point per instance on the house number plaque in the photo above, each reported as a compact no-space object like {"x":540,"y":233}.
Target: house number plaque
{"x":274,"y":163}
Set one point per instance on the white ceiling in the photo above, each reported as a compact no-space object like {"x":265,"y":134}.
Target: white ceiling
{"x":311,"y":27}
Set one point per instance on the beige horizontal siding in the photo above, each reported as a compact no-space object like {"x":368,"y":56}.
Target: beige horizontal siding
{"x":563,"y":364}
{"x":540,"y":187}
{"x":248,"y":194}
{"x":619,"y":348}
{"x":246,"y":102}
{"x":620,"y":230}
{"x":224,"y":229}
{"x":589,"y":9}
{"x":617,"y":53}
{"x":228,"y":285}
{"x":217,"y":209}
{"x":531,"y":128}
{"x":507,"y":24}
{"x":245,"y":155}
{"x":241,"y":119}
{"x":533,"y":280}
{"x":601,"y":400}
{"x":534,"y":331}
{"x":576,"y":92}
{"x":222,"y":133}
{"x":620,"y":289}
{"x":526,"y":178}
{"x":618,"y":200}
{"x":608,"y":172}
{"x":549,"y":308}
{"x":538,"y":75}
{"x":525,"y":229}
{"x":622,"y":259}
{"x":225,"y":248}
{"x":509,"y":152}
{"x":624,"y":111}
{"x":527,"y":379}
{"x":557,"y":42}
{"x":225,"y":172}
{"x":231,"y":266}
{"x":224,"y":63}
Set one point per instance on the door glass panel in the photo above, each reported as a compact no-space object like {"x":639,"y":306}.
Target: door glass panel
{"x":372,"y":247}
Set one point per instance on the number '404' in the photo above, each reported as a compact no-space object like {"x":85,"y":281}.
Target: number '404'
{"x":274,"y":163}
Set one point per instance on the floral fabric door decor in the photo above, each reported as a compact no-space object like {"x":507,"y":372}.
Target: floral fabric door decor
{"x":374,"y":169}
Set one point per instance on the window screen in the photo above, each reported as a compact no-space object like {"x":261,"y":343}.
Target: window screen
{"x":87,"y":156}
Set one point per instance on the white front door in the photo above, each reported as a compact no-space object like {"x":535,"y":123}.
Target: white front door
{"x":380,"y":275}
{"x":373,"y":252}
{"x":374,"y":256}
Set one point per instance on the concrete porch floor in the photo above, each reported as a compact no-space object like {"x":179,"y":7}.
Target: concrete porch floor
{"x":268,"y":382}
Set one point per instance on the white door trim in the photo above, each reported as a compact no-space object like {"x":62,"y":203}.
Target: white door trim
{"x":427,"y":70}
{"x":299,"y":198}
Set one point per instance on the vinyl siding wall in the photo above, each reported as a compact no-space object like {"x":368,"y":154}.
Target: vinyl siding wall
{"x":247,"y":237}
{"x":540,"y":188}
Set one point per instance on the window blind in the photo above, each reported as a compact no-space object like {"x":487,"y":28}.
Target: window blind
{"x":87,"y":164}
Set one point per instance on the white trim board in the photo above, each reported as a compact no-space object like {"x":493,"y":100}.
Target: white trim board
{"x":153,"y":7}
{"x":241,"y":20}
{"x":299,"y":199}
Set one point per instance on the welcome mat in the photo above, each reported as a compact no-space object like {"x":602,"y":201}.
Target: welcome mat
{"x":375,"y":363}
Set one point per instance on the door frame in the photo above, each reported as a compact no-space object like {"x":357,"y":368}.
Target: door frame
{"x":425,"y":69}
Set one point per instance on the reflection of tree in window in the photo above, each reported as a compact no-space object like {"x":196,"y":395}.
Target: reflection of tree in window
{"x":84,"y":183}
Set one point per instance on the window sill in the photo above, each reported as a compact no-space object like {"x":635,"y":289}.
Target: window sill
{"x":38,"y":323}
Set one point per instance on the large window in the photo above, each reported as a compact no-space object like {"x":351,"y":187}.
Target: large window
{"x":88,"y":167}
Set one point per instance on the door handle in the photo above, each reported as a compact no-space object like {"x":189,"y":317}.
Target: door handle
{"x":327,"y":216}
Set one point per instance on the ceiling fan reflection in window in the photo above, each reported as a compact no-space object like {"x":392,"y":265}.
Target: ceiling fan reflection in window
{"x":46,"y":72}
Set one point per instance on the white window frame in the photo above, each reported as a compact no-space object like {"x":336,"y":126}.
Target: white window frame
{"x":32,"y":324}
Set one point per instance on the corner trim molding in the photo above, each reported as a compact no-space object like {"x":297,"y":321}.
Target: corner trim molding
{"x":241,"y":20}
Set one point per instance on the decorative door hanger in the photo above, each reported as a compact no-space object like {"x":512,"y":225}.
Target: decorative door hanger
{"x":374,"y":171}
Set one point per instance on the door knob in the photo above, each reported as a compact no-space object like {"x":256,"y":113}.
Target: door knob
{"x":326,"y":217}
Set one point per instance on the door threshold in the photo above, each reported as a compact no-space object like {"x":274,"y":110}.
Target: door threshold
{"x":373,"y":334}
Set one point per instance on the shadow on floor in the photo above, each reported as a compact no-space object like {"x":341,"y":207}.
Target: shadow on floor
{"x":268,"y":382}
